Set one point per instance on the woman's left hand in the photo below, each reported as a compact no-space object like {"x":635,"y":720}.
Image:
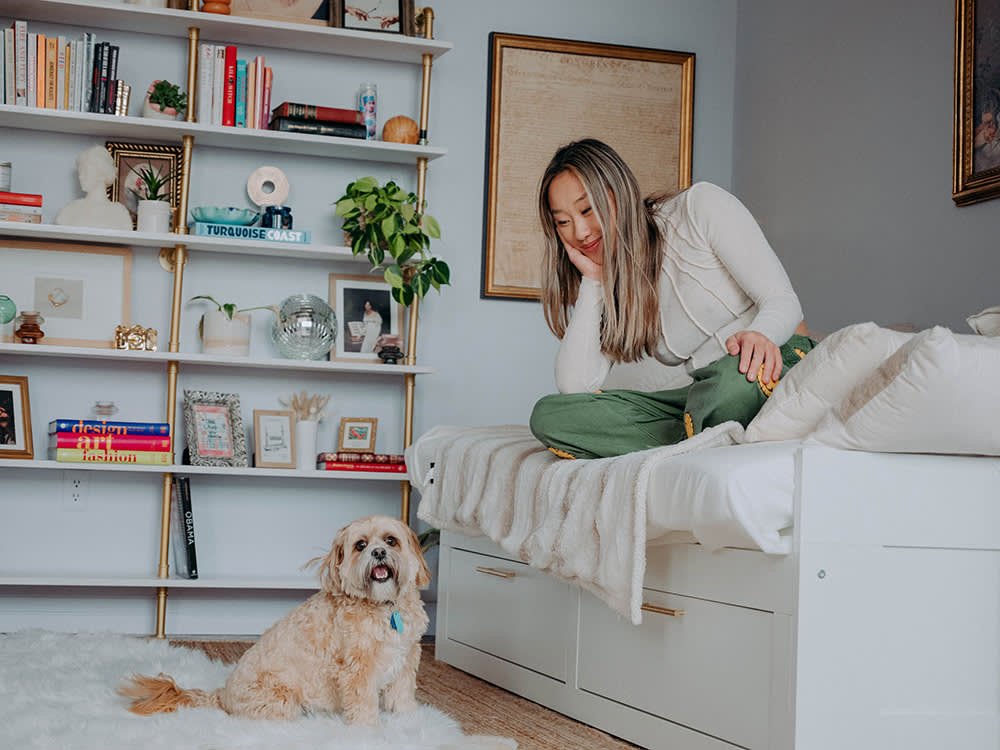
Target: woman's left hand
{"x":756,"y":349}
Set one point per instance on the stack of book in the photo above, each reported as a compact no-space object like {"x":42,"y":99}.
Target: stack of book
{"x":232,"y":91}
{"x":54,"y":72}
{"x":392,"y":462}
{"x":290,"y":117}
{"x":23,"y":207}
{"x":95,"y":441}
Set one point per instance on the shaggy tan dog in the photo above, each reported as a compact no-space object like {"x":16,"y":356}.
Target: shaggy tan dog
{"x":355,"y":640}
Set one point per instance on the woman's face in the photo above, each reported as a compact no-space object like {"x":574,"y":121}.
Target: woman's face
{"x":575,"y":220}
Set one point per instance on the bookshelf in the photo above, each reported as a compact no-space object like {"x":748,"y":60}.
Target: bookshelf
{"x":180,"y":253}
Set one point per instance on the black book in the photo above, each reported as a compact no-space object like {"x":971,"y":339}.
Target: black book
{"x":342,"y":129}
{"x":102,"y":78}
{"x":182,"y":529}
{"x":94,"y":105}
{"x":110,"y":85}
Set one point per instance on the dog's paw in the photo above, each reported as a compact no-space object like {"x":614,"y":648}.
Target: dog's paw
{"x":401,"y":705}
{"x":359,"y":717}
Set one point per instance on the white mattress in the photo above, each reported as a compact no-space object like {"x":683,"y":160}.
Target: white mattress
{"x":731,"y":496}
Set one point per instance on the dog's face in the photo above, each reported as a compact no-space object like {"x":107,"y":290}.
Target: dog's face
{"x":376,"y":558}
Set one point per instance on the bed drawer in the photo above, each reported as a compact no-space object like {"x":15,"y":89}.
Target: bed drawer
{"x":509,"y":610}
{"x":708,"y":668}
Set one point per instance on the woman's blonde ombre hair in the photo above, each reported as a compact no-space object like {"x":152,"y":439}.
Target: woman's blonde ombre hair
{"x":630,"y":326}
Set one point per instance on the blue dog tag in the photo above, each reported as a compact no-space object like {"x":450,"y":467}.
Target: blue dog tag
{"x":396,"y":621}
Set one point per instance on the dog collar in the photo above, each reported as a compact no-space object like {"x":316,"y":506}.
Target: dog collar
{"x":396,"y":621}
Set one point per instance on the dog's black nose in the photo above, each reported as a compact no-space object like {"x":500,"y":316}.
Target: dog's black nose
{"x":378,"y":553}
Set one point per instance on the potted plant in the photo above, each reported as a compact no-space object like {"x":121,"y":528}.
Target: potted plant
{"x":164,"y":100}
{"x":152,"y":198}
{"x":226,"y":330}
{"x":386,"y":221}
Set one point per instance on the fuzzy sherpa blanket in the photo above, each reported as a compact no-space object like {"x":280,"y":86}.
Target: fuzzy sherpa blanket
{"x":581,"y":521}
{"x":58,"y":692}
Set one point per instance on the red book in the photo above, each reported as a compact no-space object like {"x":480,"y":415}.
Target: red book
{"x":229,"y":88}
{"x":311,"y":113}
{"x":361,"y":458}
{"x":22,"y":199}
{"x":109,"y":442}
{"x":359,"y":466}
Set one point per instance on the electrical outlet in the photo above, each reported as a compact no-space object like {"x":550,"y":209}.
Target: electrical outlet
{"x":74,"y":494}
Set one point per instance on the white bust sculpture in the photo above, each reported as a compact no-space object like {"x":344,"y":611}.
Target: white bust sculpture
{"x":96,"y":170}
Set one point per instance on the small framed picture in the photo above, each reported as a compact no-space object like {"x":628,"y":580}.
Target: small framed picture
{"x":15,"y":418}
{"x":274,"y":439}
{"x":213,"y":426}
{"x":365,"y":311}
{"x":390,"y":16}
{"x":166,"y":160}
{"x":357,"y":435}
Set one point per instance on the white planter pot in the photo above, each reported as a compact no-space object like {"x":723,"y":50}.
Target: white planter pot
{"x":305,"y":444}
{"x":153,"y":216}
{"x":220,"y":335}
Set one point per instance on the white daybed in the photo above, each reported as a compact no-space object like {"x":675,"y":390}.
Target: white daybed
{"x":867,"y":616}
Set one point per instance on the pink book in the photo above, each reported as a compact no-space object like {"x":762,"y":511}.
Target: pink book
{"x":260,"y":114}
{"x":268,"y":78}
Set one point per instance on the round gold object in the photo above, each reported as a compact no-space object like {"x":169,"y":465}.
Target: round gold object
{"x":400,"y":129}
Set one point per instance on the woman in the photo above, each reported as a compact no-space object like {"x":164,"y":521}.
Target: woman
{"x":373,"y":328}
{"x":689,"y":280}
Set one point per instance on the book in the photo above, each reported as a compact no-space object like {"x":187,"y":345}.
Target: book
{"x":21,"y":199}
{"x":229,"y":87}
{"x":111,"y":456}
{"x":10,"y":66}
{"x":203,"y":95}
{"x":102,"y":427}
{"x":18,"y":209}
{"x":112,"y":442}
{"x":87,"y":70}
{"x":32,"y":70}
{"x":238,"y":232}
{"x":20,"y":62}
{"x":258,"y":92}
{"x":266,"y":99}
{"x":51,"y":72}
{"x":365,"y":458}
{"x":112,"y":77}
{"x":315,"y":113}
{"x":360,"y":466}
{"x":20,"y":217}
{"x":218,"y":82}
{"x":63,"y":77}
{"x":182,"y":528}
{"x":339,"y":129}
{"x":241,"y":93}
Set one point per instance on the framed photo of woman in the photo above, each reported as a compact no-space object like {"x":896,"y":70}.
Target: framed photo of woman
{"x":365,"y":311}
{"x":15,"y":417}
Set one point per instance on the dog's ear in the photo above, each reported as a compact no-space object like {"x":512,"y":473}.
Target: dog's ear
{"x":329,"y":572}
{"x":423,"y":572}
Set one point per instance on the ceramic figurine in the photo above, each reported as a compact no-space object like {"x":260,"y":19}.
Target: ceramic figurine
{"x":96,"y":170}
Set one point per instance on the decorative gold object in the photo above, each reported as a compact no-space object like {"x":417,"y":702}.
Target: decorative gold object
{"x":136,"y":338}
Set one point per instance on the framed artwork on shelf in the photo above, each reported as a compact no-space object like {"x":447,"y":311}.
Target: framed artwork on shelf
{"x":390,"y":16}
{"x":82,"y":291}
{"x":317,"y":12}
{"x":976,"y":140}
{"x":357,"y":435}
{"x":213,"y":426}
{"x":15,"y":418}
{"x":128,"y":157}
{"x":638,"y":100}
{"x":365,"y":310}
{"x":274,"y":439}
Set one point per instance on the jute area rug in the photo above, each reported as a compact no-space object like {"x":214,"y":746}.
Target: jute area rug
{"x":58,"y":692}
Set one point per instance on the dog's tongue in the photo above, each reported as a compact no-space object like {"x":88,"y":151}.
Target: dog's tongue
{"x":380,"y":572}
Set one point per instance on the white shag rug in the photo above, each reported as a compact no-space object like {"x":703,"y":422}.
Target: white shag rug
{"x":58,"y":691}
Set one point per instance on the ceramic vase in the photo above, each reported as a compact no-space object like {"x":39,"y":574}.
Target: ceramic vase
{"x":220,"y":335}
{"x":153,"y":216}
{"x":305,"y":444}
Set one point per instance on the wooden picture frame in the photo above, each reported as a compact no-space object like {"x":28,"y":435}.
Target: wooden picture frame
{"x":976,"y":141}
{"x":315,"y":12}
{"x":273,"y":439}
{"x":129,"y":156}
{"x":384,"y":16}
{"x":82,"y":291}
{"x":349,"y":294}
{"x":640,"y":101}
{"x":213,"y":426}
{"x":15,"y":418}
{"x":357,"y":435}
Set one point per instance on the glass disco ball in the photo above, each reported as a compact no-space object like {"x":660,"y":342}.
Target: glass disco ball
{"x":306,"y":327}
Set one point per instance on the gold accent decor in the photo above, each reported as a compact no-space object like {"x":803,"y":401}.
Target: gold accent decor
{"x":496,"y":572}
{"x":661,"y":610}
{"x":136,"y":338}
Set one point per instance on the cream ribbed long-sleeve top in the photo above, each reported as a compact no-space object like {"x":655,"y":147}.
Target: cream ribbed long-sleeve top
{"x":719,"y":276}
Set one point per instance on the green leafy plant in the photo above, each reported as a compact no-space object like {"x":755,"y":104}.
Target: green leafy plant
{"x":387,"y":222}
{"x":168,"y":94}
{"x":230,"y":309}
{"x":152,"y":184}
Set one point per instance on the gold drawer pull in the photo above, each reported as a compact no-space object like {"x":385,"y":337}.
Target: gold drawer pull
{"x":661,"y":610}
{"x":495,"y":572}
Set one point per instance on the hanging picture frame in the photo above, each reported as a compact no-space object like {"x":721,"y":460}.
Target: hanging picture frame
{"x":386,"y":16}
{"x":15,"y":418}
{"x":128,"y":157}
{"x":213,"y":426}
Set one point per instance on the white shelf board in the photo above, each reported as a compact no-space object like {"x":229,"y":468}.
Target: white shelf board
{"x":42,"y":464}
{"x":216,"y":136}
{"x":230,"y":29}
{"x":43,"y":579}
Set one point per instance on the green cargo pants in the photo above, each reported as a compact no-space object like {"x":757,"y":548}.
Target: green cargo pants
{"x":610,"y":423}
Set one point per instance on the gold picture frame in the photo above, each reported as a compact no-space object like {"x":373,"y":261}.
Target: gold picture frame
{"x":82,"y":291}
{"x":357,"y":435}
{"x":15,"y":418}
{"x":976,"y":141}
{"x":165,"y":159}
{"x":273,"y":439}
{"x":638,"y":100}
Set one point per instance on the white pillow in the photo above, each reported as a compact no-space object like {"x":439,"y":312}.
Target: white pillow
{"x":821,"y":380}
{"x":937,"y":394}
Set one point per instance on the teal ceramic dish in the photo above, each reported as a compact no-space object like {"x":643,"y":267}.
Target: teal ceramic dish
{"x":224,"y":215}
